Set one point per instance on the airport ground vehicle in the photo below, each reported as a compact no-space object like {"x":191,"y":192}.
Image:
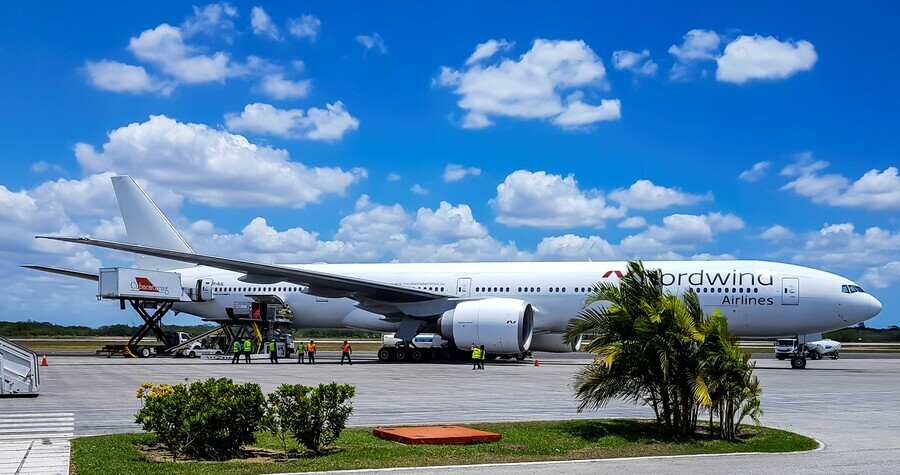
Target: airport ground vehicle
{"x":429,"y":346}
{"x":798,"y":352}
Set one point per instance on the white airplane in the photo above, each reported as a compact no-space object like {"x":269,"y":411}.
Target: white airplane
{"x":510,"y":307}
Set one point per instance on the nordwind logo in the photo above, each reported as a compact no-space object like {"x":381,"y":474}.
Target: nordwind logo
{"x":617,"y":273}
{"x":143,"y":284}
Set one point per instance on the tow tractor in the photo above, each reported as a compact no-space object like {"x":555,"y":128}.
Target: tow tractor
{"x":798,"y":352}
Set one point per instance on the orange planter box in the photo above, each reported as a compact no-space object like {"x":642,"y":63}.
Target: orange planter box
{"x":437,"y":435}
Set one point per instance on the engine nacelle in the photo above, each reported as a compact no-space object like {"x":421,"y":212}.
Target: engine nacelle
{"x":553,"y":343}
{"x":503,"y":326}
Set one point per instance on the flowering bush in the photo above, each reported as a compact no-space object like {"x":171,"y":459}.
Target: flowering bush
{"x":209,"y":419}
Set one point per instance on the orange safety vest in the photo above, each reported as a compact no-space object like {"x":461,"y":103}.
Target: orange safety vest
{"x":346,"y":348}
{"x":311,"y":348}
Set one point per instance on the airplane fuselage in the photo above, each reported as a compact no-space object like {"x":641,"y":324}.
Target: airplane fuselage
{"x":759,"y":298}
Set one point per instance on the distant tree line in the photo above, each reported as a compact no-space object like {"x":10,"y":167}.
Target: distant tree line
{"x":866,"y":335}
{"x":31,"y":328}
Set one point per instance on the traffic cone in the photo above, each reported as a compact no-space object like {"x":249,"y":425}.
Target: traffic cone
{"x":44,"y":361}
{"x":536,"y":362}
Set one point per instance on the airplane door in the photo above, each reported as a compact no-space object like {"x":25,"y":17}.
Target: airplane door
{"x":205,"y":289}
{"x":790,"y":294}
{"x":464,"y":287}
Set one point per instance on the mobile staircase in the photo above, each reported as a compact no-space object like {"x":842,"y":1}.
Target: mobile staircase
{"x":19,"y":370}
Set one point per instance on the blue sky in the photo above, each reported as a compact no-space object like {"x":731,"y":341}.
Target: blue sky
{"x":316,"y":131}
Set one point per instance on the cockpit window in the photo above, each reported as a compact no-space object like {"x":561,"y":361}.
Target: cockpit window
{"x":851,"y":289}
{"x":845,"y":289}
{"x":857,"y":288}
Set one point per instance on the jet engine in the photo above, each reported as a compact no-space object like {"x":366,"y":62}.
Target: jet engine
{"x":503,"y":326}
{"x":553,"y":343}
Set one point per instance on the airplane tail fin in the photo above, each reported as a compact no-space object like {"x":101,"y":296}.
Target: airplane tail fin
{"x":147,"y":225}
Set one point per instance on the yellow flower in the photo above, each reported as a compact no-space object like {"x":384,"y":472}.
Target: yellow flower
{"x":146,"y":385}
{"x":139,"y":394}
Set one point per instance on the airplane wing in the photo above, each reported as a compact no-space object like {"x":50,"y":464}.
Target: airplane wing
{"x":318,"y":283}
{"x":65,"y":272}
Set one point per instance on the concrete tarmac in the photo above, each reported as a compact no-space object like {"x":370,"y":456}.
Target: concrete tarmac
{"x":851,"y":404}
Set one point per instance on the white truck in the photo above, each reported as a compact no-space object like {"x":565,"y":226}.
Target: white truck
{"x":798,"y":352}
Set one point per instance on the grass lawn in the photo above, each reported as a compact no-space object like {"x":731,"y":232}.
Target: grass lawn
{"x":522,"y":441}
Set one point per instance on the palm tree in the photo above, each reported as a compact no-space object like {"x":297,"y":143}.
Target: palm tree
{"x":661,"y":350}
{"x":646,"y":342}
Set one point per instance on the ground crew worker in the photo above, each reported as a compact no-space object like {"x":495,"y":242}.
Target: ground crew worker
{"x":346,"y":351}
{"x":301,"y":353}
{"x":476,"y":356}
{"x":483,"y":357}
{"x":248,"y":347}
{"x":311,"y":352}
{"x":273,"y":353}
{"x":287,"y":313}
{"x":236,"y":350}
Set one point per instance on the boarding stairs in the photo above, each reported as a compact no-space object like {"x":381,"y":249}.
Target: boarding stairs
{"x":19,"y":370}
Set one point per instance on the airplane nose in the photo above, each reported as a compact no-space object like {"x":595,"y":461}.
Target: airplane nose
{"x":874,"y":306}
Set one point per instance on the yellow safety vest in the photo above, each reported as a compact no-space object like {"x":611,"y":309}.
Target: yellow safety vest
{"x":236,"y":347}
{"x":476,"y":354}
{"x":271,"y":346}
{"x":248,"y":346}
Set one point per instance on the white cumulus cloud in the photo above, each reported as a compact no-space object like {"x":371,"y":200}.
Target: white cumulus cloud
{"x":372,"y":42}
{"x":531,"y":87}
{"x":276,"y":86}
{"x":487,"y":49}
{"x":455,"y":172}
{"x":448,"y":223}
{"x":307,"y":26}
{"x":542,"y":200}
{"x":876,"y":189}
{"x":644,"y":195}
{"x":213,"y":167}
{"x":328,"y":124}
{"x":165,"y":47}
{"x":119,"y":77}
{"x":756,"y":172}
{"x":636,"y":62}
{"x":262,"y":23}
{"x":764,"y":58}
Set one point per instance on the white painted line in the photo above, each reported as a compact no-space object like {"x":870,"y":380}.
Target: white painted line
{"x":31,"y":419}
{"x":36,"y":436}
{"x":38,"y":414}
{"x":36,"y":429}
{"x":46,"y":424}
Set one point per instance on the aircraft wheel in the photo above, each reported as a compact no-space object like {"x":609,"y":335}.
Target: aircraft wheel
{"x":416,"y":356}
{"x":144,"y":352}
{"x":446,"y":354}
{"x":520,"y":356}
{"x":431,"y":354}
{"x":798,"y":362}
{"x":837,"y":354}
{"x":402,"y":355}
{"x":384,"y":354}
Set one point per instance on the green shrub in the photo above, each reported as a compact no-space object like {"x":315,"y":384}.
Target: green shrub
{"x":315,"y":416}
{"x":209,"y":419}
